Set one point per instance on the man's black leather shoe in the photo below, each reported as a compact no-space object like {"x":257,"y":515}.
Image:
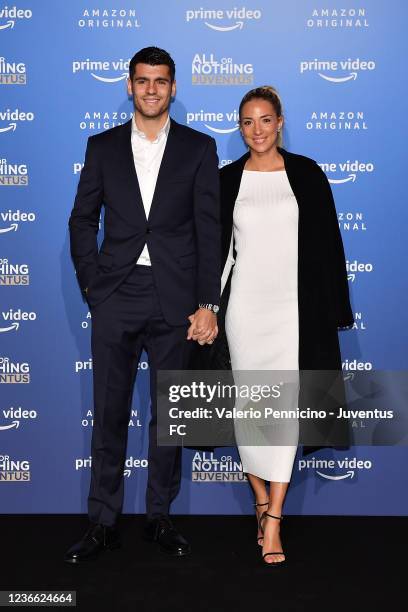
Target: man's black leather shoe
{"x":162,"y":531}
{"x":95,"y":540}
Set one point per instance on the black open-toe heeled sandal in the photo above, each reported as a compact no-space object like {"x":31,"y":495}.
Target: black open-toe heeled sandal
{"x":257,"y":520}
{"x":277,"y":552}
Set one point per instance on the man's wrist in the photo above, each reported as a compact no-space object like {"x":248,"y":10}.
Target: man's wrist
{"x":212,"y":307}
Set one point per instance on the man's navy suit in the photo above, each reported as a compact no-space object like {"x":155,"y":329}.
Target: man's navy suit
{"x":136,"y":306}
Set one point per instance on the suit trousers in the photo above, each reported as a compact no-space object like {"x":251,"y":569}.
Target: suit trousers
{"x":129,"y":320}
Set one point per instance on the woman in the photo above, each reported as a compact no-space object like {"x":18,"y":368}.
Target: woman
{"x":285,"y":290}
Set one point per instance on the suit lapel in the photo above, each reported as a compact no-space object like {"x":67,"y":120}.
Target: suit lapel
{"x":128,"y":170}
{"x":168,"y":166}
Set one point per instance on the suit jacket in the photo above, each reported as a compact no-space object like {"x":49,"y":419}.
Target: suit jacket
{"x":182,"y":231}
{"x":323,"y":295}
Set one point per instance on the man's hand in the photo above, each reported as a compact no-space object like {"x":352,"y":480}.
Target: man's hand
{"x":203,"y":326}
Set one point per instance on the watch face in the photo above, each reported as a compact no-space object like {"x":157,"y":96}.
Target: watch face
{"x":216,"y":309}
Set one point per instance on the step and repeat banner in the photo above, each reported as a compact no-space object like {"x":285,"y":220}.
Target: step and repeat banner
{"x":339,"y":67}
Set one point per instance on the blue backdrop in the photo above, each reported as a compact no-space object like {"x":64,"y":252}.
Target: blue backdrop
{"x":339,"y":69}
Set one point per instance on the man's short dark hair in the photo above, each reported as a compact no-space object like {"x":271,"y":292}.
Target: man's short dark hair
{"x":153,"y":56}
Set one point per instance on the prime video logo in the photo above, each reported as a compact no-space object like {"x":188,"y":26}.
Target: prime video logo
{"x":95,"y":66}
{"x":208,"y":119}
{"x":11,"y":14}
{"x":323,"y":468}
{"x":130,"y":463}
{"x":13,"y":218}
{"x":15,"y":416}
{"x":13,"y":318}
{"x":235,"y":17}
{"x":353,"y":267}
{"x":349,"y":167}
{"x":351,"y":68}
{"x":13,"y":116}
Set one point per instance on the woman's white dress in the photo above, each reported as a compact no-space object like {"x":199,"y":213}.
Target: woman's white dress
{"x":262,"y":322}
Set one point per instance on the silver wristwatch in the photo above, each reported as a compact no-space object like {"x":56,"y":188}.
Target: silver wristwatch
{"x":213,"y":307}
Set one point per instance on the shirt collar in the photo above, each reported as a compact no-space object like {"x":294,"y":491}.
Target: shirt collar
{"x":164,"y":130}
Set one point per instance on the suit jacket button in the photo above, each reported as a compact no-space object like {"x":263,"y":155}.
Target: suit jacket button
{"x":148,"y":231}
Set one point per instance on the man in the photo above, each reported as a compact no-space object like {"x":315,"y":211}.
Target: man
{"x":157,"y":269}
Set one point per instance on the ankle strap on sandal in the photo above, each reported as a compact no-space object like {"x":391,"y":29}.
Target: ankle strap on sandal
{"x":265,"y":504}
{"x":279,"y":518}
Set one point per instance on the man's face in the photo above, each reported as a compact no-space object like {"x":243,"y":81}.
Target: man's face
{"x":151,"y":89}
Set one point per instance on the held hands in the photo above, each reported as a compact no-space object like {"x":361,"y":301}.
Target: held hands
{"x":203,"y":326}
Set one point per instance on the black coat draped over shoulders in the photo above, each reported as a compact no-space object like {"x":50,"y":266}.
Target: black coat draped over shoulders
{"x":323,"y":294}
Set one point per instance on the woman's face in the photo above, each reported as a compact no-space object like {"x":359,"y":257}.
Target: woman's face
{"x":259,"y":125}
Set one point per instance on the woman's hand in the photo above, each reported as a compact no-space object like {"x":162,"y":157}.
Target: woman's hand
{"x":203,"y":326}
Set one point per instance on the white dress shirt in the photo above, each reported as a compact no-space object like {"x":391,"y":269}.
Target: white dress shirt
{"x":147,"y":156}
